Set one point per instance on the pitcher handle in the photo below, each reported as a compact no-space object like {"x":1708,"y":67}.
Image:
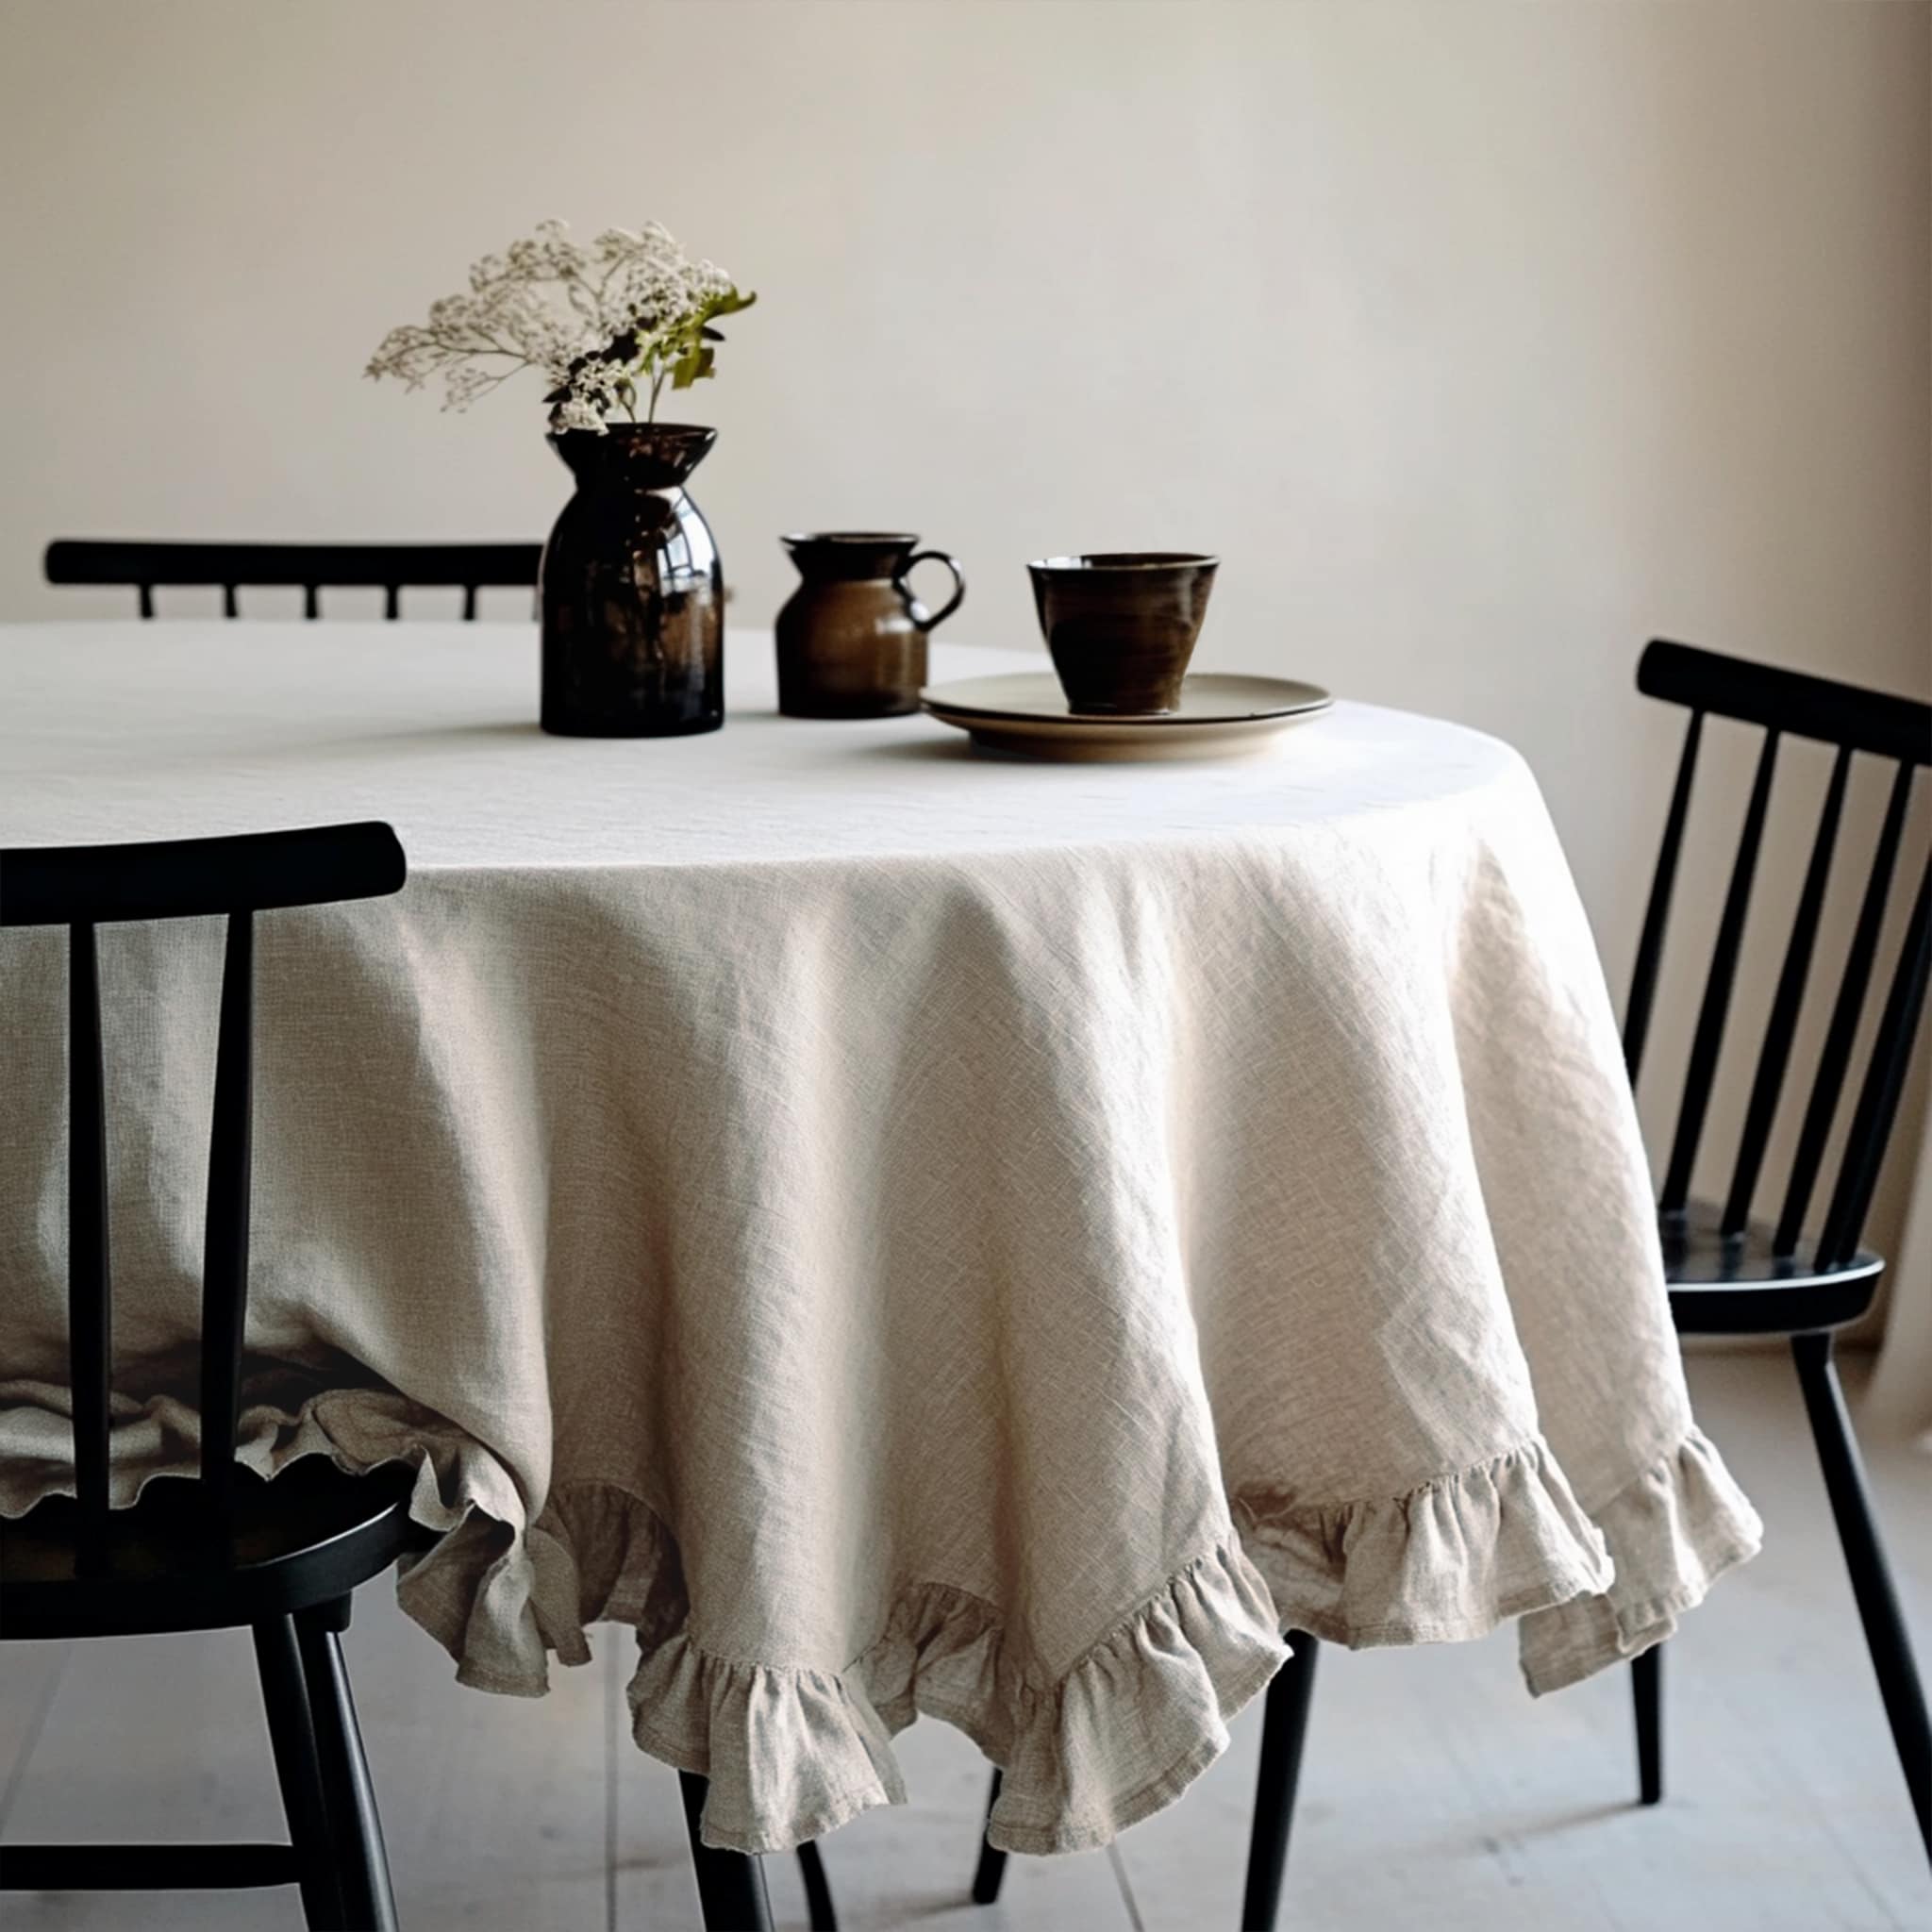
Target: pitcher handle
{"x":905,"y":589}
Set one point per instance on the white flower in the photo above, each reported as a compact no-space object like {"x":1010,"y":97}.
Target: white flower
{"x":628,"y":311}
{"x":575,"y":413}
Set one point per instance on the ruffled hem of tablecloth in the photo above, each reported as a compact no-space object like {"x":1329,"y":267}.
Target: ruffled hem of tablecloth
{"x":1671,"y":1533}
{"x":793,"y":1752}
{"x":1451,"y":1561}
{"x":1443,"y":1563}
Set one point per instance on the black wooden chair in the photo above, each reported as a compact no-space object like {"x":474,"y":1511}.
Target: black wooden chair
{"x":225,"y":1549}
{"x":311,"y":568}
{"x":1730,"y":1275}
{"x":230,"y":1549}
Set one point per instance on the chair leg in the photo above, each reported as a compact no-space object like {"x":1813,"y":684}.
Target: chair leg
{"x":993,"y":1862}
{"x":1647,"y":1693}
{"x":298,"y":1771}
{"x":356,"y":1831}
{"x":819,"y":1912}
{"x":731,"y":1886}
{"x":1284,"y":1726}
{"x":1879,"y":1605}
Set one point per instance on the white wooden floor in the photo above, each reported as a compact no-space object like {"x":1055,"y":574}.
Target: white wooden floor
{"x":1435,"y":1794}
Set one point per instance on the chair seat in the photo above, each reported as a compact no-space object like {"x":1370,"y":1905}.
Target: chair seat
{"x":310,"y":1537}
{"x":1738,"y":1286}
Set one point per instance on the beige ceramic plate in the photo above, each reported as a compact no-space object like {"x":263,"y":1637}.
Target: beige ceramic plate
{"x":1221,"y":715}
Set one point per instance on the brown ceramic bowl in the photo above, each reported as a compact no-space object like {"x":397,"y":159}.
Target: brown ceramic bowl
{"x":1121,"y":624}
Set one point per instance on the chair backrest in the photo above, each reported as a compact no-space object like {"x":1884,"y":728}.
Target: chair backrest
{"x":81,"y":887}
{"x":313,"y":568}
{"x":1898,"y":730}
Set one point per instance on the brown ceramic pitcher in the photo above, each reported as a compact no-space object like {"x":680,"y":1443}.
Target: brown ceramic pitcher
{"x":852,"y":637}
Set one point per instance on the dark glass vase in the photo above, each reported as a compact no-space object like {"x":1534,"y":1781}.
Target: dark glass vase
{"x":632,"y":592}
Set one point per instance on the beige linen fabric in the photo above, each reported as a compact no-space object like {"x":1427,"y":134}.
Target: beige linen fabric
{"x":904,"y":1231}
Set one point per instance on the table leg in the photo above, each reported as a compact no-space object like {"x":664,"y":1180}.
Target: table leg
{"x":1284,"y":1726}
{"x":731,"y":1886}
{"x":993,"y":1862}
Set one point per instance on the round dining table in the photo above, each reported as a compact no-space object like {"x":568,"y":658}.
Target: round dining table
{"x":905,"y":1230}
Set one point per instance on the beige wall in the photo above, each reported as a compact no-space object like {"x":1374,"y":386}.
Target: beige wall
{"x":1483,"y":341}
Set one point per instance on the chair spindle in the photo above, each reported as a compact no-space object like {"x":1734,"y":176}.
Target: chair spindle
{"x":1885,"y":1078}
{"x":469,"y":603}
{"x":1708,"y":1039}
{"x":225,"y":1269}
{"x":1836,"y":1055}
{"x":391,"y":602}
{"x":1650,"y":945}
{"x":1767,"y":1088}
{"x":231,"y":605}
{"x":147,"y":599}
{"x":311,"y":601}
{"x":90,"y":1307}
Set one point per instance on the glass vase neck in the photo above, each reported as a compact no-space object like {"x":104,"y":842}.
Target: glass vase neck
{"x":635,"y":456}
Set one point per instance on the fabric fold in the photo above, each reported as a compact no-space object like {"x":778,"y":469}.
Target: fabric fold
{"x":793,"y":1754}
{"x":1155,"y":1694}
{"x":1671,"y":1533}
{"x":1442,"y":1564}
{"x":788,"y":1754}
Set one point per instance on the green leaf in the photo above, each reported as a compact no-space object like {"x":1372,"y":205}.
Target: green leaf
{"x":681,"y":349}
{"x":692,"y":366}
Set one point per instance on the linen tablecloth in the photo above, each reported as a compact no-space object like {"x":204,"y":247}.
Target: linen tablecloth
{"x":904,"y":1230}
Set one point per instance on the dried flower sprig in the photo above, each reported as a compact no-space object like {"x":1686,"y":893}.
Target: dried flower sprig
{"x":604,"y":323}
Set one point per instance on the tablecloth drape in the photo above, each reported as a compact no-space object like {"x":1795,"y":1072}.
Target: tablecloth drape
{"x":903,"y":1231}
